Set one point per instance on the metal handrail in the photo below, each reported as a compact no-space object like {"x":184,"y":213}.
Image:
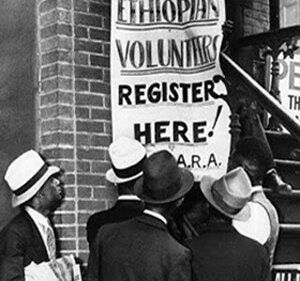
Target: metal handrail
{"x":264,"y":97}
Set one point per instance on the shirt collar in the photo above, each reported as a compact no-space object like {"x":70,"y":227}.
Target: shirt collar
{"x":37,"y":216}
{"x":256,"y":188}
{"x":128,"y":197}
{"x":156,"y":215}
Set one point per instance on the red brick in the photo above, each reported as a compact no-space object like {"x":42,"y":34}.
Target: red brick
{"x":82,"y":140}
{"x":88,"y":46}
{"x":56,"y":29}
{"x":100,"y":9}
{"x":90,"y":126}
{"x":100,"y":61}
{"x":82,"y":59}
{"x":84,"y":192}
{"x":59,"y":153}
{"x":88,"y":100}
{"x":83,"y":166}
{"x":91,"y":204}
{"x":107,"y":128}
{"x":82,"y":112}
{"x":80,"y":6}
{"x":100,"y":167}
{"x":67,"y":244}
{"x":81,"y":32}
{"x":47,"y":5}
{"x":83,"y":218}
{"x":101,"y":114}
{"x":55,"y":56}
{"x":57,"y":97}
{"x":57,"y":111}
{"x":88,"y":72}
{"x":88,"y":20}
{"x":107,"y":76}
{"x":81,"y":85}
{"x":94,"y":180}
{"x":82,"y":231}
{"x":98,"y":87}
{"x":65,"y":43}
{"x":101,"y":140}
{"x":64,"y":219}
{"x":90,"y":154}
{"x":49,"y":44}
{"x":97,"y":34}
{"x":57,"y":124}
{"x":83,"y":244}
{"x":106,"y":49}
{"x":66,"y":231}
{"x":58,"y":138}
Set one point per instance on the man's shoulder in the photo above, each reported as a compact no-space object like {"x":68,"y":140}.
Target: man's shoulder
{"x":20,"y":225}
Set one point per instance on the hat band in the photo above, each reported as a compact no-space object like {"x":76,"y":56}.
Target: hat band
{"x":130,"y":171}
{"x":32,"y":181}
{"x":223,"y":205}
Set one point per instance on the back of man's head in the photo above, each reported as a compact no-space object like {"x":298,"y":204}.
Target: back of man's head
{"x":254,"y":156}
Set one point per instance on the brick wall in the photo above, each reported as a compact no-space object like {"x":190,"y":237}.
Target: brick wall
{"x":73,"y":105}
{"x":255,"y":16}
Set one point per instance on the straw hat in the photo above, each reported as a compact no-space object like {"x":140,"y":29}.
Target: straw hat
{"x":127,"y":157}
{"x":26,"y":175}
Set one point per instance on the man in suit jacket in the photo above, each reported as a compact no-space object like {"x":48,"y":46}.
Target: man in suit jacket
{"x":220,"y":252}
{"x":127,"y":156}
{"x":29,"y":237}
{"x":142,"y":248}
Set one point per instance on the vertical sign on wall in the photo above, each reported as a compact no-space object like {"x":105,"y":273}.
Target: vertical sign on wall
{"x":164,"y":55}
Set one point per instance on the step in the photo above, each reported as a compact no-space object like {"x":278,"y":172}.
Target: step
{"x":289,"y":170}
{"x":283,"y":145}
{"x":287,"y":205}
{"x":287,"y":250}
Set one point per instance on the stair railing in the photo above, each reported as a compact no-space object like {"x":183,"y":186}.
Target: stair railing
{"x":264,"y":97}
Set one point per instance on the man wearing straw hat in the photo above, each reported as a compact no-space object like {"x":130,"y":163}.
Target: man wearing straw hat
{"x":220,"y":252}
{"x":142,"y":248}
{"x":29,"y":237}
{"x":127,"y":157}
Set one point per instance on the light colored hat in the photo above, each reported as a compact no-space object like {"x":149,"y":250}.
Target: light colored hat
{"x":229,"y":194}
{"x":127,"y":157}
{"x":163,"y":181}
{"x":26,"y":175}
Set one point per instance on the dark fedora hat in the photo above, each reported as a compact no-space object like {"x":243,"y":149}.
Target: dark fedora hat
{"x":163,"y":181}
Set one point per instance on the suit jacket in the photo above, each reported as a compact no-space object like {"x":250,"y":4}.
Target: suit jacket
{"x":20,"y":244}
{"x":140,"y":249}
{"x":260,"y":198}
{"x":121,"y":211}
{"x":221,"y":253}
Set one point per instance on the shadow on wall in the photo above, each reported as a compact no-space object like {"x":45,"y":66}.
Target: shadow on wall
{"x":17,"y":89}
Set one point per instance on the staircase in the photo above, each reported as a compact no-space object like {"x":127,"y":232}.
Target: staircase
{"x":286,"y":151}
{"x":287,"y":158}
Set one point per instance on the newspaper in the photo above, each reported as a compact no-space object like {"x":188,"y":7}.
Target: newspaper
{"x":62,"y":269}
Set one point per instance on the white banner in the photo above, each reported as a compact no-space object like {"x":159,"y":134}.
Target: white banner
{"x":164,"y":55}
{"x":289,"y":83}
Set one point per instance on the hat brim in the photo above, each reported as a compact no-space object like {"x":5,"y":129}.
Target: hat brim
{"x":18,"y":200}
{"x":205,"y":186}
{"x":187,"y":181}
{"x":113,"y":178}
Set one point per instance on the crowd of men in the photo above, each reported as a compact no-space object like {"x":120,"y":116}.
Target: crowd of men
{"x":164,"y":226}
